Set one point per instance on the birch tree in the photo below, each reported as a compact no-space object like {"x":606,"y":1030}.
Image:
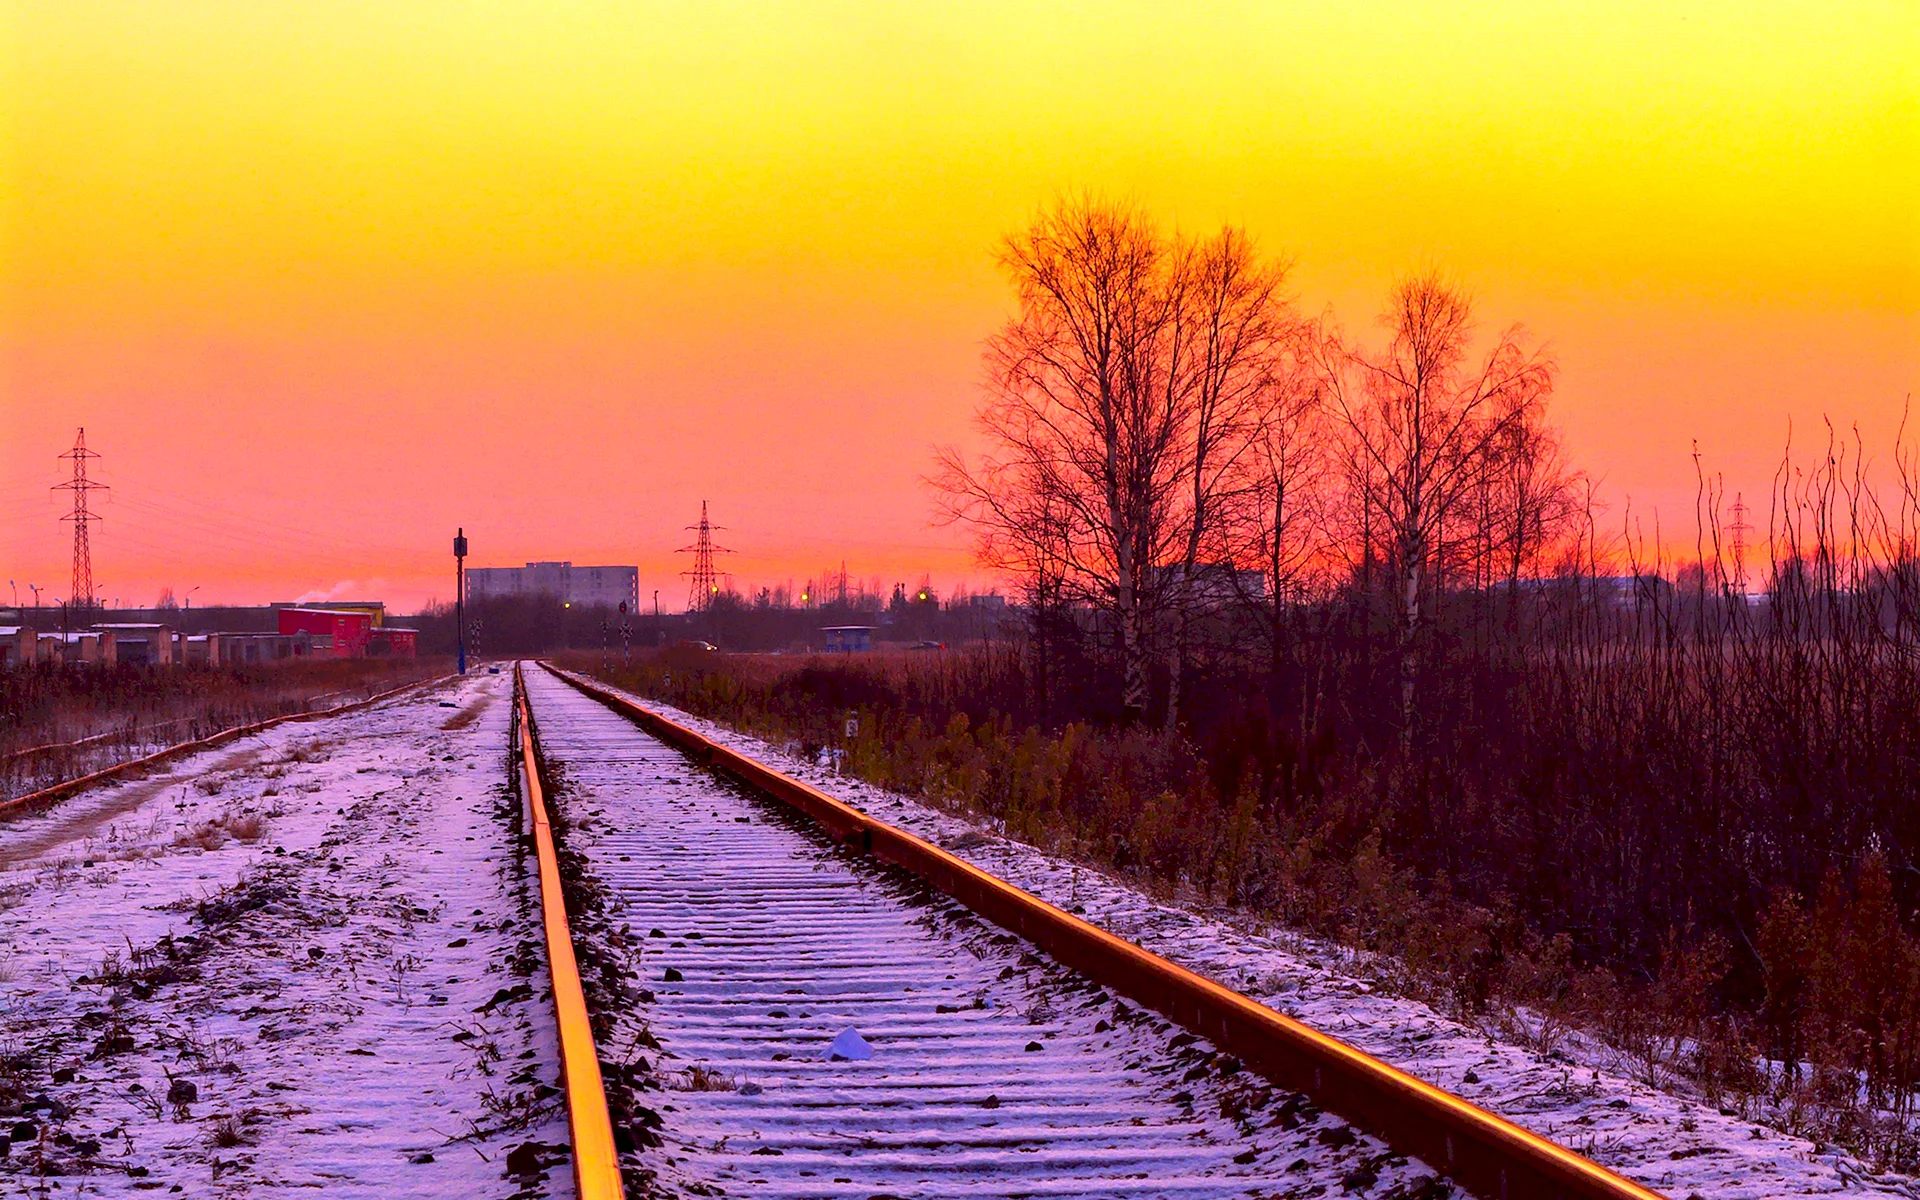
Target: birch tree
{"x":1084,"y":418}
{"x":1424,"y":427}
{"x":1232,"y":359}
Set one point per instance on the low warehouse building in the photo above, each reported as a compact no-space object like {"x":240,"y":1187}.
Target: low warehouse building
{"x":238,"y":648}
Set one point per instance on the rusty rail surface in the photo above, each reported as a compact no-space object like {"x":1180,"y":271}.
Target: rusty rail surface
{"x":1487,"y":1154}
{"x":596,"y":1164}
{"x":47,"y":795}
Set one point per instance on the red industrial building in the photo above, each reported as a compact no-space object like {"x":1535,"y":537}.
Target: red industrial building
{"x":345,"y":633}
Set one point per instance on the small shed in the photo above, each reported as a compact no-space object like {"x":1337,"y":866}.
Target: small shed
{"x":848,"y":639}
{"x":143,"y":643}
{"x":391,"y":641}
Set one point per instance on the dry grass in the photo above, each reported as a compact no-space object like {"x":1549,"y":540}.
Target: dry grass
{"x":226,"y":1132}
{"x":702,"y":1079}
{"x":207,"y":835}
{"x":214,"y":834}
{"x":247,"y":827}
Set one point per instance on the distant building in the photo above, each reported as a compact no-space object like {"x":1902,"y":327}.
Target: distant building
{"x":375,"y":610}
{"x":346,"y":633}
{"x":848,"y":639}
{"x":237,"y":648}
{"x":391,"y":641}
{"x":86,"y":646}
{"x":588,"y":587}
{"x":141,"y":644}
{"x":19,"y":646}
{"x":200,"y":649}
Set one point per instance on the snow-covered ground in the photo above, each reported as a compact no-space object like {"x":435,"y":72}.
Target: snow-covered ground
{"x":306,"y":959}
{"x":1578,"y":1093}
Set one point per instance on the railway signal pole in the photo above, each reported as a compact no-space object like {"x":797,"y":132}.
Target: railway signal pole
{"x":460,"y":594}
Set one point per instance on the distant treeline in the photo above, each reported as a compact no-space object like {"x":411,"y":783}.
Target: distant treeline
{"x":546,"y":625}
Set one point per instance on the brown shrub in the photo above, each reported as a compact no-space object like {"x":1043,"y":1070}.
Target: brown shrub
{"x":247,"y":827}
{"x":208,"y":835}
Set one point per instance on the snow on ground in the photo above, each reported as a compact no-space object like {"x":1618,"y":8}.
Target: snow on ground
{"x":306,"y":959}
{"x":1578,"y":1093}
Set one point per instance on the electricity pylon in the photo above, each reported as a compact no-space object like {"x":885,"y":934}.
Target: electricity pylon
{"x":703,"y":579}
{"x":82,"y":516}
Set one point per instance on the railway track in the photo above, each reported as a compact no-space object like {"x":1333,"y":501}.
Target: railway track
{"x":61,"y":789}
{"x":813,"y":1013}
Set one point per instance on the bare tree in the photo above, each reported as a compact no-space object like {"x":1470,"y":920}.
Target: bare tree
{"x":1230,"y":357}
{"x":1279,"y":507}
{"x":1423,"y":430}
{"x":1084,"y":419}
{"x":1537,"y":500}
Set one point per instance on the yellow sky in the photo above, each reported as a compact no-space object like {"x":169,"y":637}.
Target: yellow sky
{"x":651,"y":253}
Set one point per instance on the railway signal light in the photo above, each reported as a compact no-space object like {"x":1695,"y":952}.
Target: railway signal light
{"x":460,"y":595}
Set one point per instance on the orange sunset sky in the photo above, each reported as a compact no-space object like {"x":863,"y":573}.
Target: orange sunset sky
{"x":325,"y":280}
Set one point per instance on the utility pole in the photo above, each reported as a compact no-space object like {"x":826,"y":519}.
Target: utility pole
{"x":82,"y":517}
{"x":460,"y":593}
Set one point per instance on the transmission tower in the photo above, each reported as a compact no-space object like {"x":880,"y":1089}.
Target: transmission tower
{"x":703,"y":580}
{"x":1739,"y":529}
{"x":82,"y":516}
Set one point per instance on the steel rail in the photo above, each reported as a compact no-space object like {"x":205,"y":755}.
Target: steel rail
{"x":52,"y":792}
{"x":596,"y":1163}
{"x":1483,"y":1152}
